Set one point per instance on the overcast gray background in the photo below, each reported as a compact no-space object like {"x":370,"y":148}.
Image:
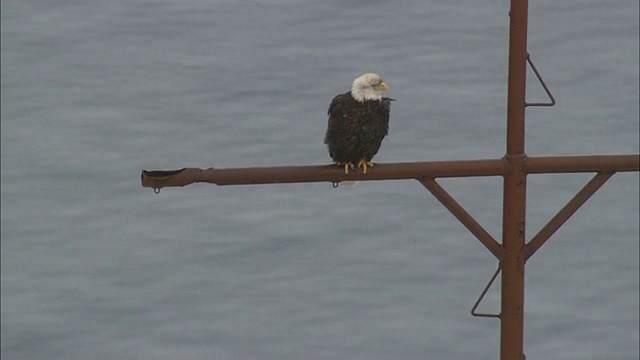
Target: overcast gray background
{"x":96,"y":267}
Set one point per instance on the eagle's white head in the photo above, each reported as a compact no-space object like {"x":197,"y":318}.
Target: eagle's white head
{"x":368,"y":87}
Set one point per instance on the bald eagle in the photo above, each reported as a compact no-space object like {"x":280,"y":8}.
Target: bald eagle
{"x":358,"y":121}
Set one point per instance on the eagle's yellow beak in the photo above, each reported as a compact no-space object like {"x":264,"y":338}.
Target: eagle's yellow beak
{"x":381,"y":87}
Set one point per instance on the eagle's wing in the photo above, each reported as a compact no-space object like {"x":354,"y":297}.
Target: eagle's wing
{"x":340,"y":136}
{"x":336,"y":110}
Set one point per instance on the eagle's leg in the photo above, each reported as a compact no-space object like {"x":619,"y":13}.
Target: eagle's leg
{"x":364,"y":164}
{"x":347,"y":166}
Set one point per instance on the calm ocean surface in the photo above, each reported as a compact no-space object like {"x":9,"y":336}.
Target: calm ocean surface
{"x":93,"y":266}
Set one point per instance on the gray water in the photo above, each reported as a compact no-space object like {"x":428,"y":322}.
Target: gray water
{"x":96,"y":267}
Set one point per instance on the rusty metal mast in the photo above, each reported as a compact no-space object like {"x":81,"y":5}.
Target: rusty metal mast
{"x":514,"y":167}
{"x":515,"y":191}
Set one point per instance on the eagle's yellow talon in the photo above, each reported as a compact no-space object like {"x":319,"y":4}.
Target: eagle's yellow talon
{"x":364,"y":165}
{"x":347,"y":166}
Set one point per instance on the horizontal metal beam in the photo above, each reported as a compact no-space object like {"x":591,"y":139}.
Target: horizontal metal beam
{"x":321,"y":173}
{"x":582,"y":164}
{"x":389,"y":171}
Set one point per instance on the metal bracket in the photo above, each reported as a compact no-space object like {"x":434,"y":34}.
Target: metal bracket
{"x":544,"y":86}
{"x":484,"y":292}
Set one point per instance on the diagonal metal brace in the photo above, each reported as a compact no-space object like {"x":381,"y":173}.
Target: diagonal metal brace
{"x":565,"y":213}
{"x":463,"y":216}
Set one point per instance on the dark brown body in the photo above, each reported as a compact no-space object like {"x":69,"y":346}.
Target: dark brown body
{"x":356,"y":129}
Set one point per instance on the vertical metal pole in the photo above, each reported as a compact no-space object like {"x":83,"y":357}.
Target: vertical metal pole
{"x":515,"y":192}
